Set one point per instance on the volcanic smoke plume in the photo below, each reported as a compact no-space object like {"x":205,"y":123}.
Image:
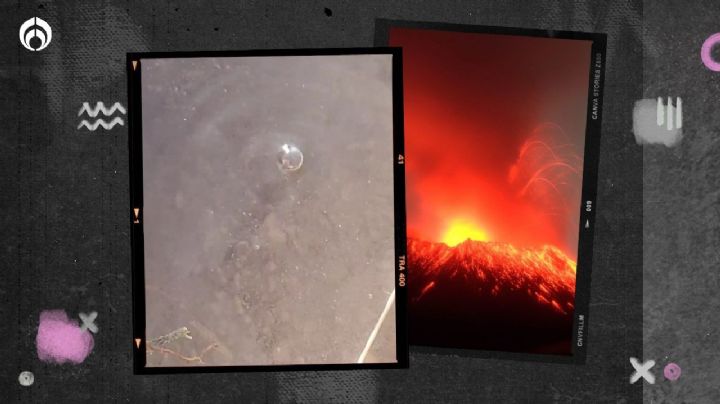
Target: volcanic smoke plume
{"x":490,"y":296}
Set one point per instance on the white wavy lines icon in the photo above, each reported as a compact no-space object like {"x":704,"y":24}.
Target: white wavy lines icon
{"x":101,"y":122}
{"x":100,"y":107}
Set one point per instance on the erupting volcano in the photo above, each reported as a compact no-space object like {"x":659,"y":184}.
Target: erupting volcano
{"x":487,"y":295}
{"x":494,"y":142}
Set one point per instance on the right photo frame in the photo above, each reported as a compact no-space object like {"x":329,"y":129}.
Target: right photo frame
{"x":502,"y":137}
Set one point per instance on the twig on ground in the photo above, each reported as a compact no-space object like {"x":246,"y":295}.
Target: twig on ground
{"x":190,"y":359}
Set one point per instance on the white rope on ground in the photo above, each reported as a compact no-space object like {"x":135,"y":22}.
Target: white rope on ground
{"x":375,"y":330}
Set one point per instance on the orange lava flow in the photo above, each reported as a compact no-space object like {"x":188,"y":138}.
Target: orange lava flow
{"x":545,"y":273}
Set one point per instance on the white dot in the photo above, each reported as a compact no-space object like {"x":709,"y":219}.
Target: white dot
{"x":26,"y":378}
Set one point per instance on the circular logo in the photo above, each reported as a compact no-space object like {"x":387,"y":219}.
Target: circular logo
{"x":672,"y":371}
{"x":35,"y":31}
{"x":706,"y":52}
{"x":26,"y":378}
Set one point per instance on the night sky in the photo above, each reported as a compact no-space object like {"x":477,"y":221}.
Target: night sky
{"x":472,"y":103}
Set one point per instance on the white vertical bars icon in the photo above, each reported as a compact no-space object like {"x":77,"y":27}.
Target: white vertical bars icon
{"x":665,"y":115}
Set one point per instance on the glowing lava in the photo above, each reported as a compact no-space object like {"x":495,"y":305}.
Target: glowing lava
{"x":460,"y":231}
{"x":491,"y":295}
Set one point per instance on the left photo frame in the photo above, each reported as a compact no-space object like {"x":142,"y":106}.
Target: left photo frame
{"x":267,"y":210}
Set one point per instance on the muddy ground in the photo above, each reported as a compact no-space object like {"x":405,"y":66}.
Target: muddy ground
{"x":274,"y":267}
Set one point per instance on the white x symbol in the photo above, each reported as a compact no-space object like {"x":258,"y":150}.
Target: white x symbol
{"x":88,"y":321}
{"x":642,"y":371}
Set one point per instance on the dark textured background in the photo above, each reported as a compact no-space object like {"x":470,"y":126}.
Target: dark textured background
{"x":681,"y":209}
{"x":65,"y":204}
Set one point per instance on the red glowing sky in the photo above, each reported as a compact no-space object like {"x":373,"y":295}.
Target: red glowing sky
{"x":471,"y":102}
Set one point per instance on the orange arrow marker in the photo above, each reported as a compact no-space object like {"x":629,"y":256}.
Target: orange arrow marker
{"x":137,"y":342}
{"x":137,"y":212}
{"x":134,"y":63}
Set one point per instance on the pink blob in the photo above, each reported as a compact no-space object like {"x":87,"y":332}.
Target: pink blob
{"x":672,"y":371}
{"x":61,"y":340}
{"x":705,"y":54}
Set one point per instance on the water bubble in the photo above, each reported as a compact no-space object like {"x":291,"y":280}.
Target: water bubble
{"x":290,"y":158}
